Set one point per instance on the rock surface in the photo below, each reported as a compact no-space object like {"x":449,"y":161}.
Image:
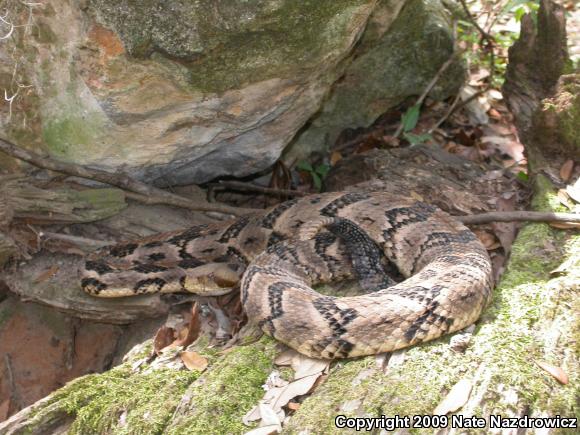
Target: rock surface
{"x":181,"y":92}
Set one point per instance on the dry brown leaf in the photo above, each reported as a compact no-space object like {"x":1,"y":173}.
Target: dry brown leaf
{"x":564,"y":198}
{"x":270,"y":417}
{"x":487,"y":239}
{"x":557,"y":372}
{"x":494,"y":114}
{"x":285,"y":357}
{"x":194,"y":361}
{"x":46,"y":275}
{"x":294,"y":406}
{"x":392,"y":141}
{"x":506,"y":233}
{"x":335,"y":157}
{"x":565,"y":225}
{"x":277,"y":398}
{"x":189,"y":334}
{"x":163,"y":338}
{"x":304,"y":366}
{"x":456,"y":398}
{"x":566,"y":170}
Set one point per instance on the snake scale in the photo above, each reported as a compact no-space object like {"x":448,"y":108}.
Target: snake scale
{"x":276,"y":256}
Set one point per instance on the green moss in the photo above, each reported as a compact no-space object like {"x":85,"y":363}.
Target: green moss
{"x":95,"y":204}
{"x":122,"y":402}
{"x":69,"y":135}
{"x":546,"y":198}
{"x":227,"y":392}
{"x":569,"y":118}
{"x":244,"y":43}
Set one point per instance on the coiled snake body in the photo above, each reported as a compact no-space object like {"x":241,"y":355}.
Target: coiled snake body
{"x":281,"y":253}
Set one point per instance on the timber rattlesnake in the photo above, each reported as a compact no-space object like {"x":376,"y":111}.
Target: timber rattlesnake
{"x":280,"y":253}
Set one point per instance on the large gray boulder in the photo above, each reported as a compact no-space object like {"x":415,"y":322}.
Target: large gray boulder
{"x":182,"y":91}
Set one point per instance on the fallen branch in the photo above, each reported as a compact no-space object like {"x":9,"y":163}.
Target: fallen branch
{"x":90,"y":243}
{"x":239,"y":185}
{"x":120,"y":180}
{"x":518,"y":216}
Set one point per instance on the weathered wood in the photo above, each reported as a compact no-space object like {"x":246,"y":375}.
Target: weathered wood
{"x":24,"y":198}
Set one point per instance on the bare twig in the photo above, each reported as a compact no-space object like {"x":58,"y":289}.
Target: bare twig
{"x":238,"y":185}
{"x":456,"y":105}
{"x":120,"y":180}
{"x":449,"y":112}
{"x":91,"y":243}
{"x":518,"y":216}
{"x":430,"y":86}
{"x":11,"y":381}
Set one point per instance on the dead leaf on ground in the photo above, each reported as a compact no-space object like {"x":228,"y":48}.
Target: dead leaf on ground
{"x":163,"y":338}
{"x":274,"y":380}
{"x":277,"y":398}
{"x":456,"y":398}
{"x":189,"y":334}
{"x":487,"y":239}
{"x":284,"y":358}
{"x":505,"y":231}
{"x":301,"y":364}
{"x":564,"y":198}
{"x":566,"y":170}
{"x":565,"y":225}
{"x":304,"y":366}
{"x":294,"y":406}
{"x":556,"y":372}
{"x":392,"y":141}
{"x":194,"y":361}
{"x":335,"y":157}
{"x":46,"y":275}
{"x":573,"y":190}
{"x":494,"y":114}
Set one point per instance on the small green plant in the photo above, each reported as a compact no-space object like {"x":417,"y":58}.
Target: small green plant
{"x":469,"y":35}
{"x":409,"y":121}
{"x":318,"y":173}
{"x":410,"y":118}
{"x":521,"y":7}
{"x":417,"y":139}
{"x":522,"y":176}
